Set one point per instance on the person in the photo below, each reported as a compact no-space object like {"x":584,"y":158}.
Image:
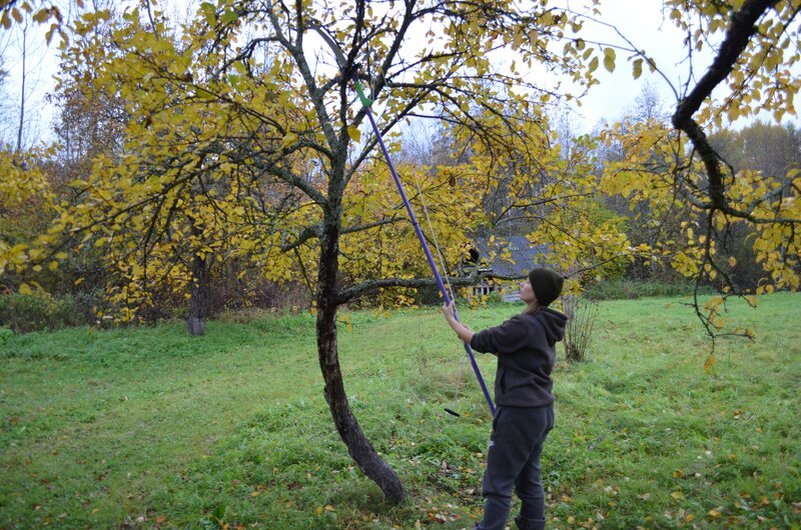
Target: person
{"x":525,"y":347}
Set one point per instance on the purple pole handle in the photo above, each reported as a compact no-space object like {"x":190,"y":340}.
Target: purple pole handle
{"x":427,"y":252}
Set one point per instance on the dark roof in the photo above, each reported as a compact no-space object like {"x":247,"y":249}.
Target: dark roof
{"x":521,"y":257}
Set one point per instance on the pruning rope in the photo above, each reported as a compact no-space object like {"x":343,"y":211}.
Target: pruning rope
{"x":444,"y":269}
{"x":433,"y":234}
{"x":367,"y":103}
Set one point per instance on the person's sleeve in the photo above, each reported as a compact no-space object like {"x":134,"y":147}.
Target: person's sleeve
{"x":499,"y":340}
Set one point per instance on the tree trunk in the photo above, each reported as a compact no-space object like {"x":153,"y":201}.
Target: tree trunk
{"x":358,"y":445}
{"x":22,"y":81}
{"x":199,"y":297}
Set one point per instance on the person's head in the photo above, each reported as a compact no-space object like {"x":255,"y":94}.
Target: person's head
{"x":543,"y":287}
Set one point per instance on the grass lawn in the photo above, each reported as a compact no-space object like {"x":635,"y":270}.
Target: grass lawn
{"x":149,"y":428}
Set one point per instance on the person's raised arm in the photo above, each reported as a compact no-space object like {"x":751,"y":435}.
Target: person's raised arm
{"x":465,"y":333}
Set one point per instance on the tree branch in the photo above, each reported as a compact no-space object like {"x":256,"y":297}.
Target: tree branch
{"x":741,"y":29}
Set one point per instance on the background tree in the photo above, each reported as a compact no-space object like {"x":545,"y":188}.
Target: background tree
{"x":3,"y":80}
{"x":753,"y":59}
{"x":770,"y":149}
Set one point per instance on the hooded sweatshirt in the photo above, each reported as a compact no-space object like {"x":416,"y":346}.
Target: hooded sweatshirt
{"x":525,"y":347}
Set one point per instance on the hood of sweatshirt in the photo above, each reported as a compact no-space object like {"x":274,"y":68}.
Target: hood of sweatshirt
{"x":553,"y":322}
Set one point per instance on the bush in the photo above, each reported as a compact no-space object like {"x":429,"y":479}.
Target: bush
{"x":39,"y":310}
{"x":627,"y":289}
{"x":581,"y":312}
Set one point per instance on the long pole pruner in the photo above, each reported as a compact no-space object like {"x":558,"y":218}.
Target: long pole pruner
{"x":367,"y":103}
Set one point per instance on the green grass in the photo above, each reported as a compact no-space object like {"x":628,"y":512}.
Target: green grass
{"x":149,"y":428}
{"x":627,"y":289}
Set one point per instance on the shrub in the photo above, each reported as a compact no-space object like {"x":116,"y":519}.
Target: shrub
{"x":5,"y":333}
{"x":581,"y":313}
{"x":28,"y":312}
{"x":40,"y":310}
{"x":627,"y":289}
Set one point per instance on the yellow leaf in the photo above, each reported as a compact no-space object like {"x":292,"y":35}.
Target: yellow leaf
{"x":53,"y":265}
{"x":677,"y":495}
{"x":713,"y":302}
{"x":609,"y":59}
{"x":637,"y":68}
{"x":25,"y":289}
{"x":354,"y":133}
{"x":290,"y":139}
{"x":710,"y":362}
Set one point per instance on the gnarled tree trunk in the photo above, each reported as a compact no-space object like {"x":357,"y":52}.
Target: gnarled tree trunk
{"x":358,"y":445}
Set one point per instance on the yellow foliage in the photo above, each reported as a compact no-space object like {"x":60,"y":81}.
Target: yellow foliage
{"x":26,"y":203}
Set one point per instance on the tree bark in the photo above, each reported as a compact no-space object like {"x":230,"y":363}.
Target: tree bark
{"x":199,"y":297}
{"x":742,"y":28}
{"x":22,"y":81}
{"x":359,"y":447}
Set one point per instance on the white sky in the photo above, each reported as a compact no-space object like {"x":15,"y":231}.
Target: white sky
{"x":41,"y":66}
{"x":640,"y":21}
{"x":643,"y":24}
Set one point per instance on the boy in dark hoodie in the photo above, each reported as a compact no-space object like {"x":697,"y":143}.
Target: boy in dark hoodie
{"x":525,"y":347}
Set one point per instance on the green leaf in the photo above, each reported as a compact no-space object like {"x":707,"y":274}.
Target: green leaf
{"x":229,"y":16}
{"x":209,"y":12}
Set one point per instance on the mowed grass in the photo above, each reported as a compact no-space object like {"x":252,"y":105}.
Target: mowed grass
{"x":149,"y":428}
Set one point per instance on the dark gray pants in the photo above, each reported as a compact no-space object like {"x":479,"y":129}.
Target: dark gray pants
{"x":513,"y":462}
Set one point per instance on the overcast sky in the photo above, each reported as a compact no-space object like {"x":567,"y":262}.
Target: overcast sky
{"x":641,"y":21}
